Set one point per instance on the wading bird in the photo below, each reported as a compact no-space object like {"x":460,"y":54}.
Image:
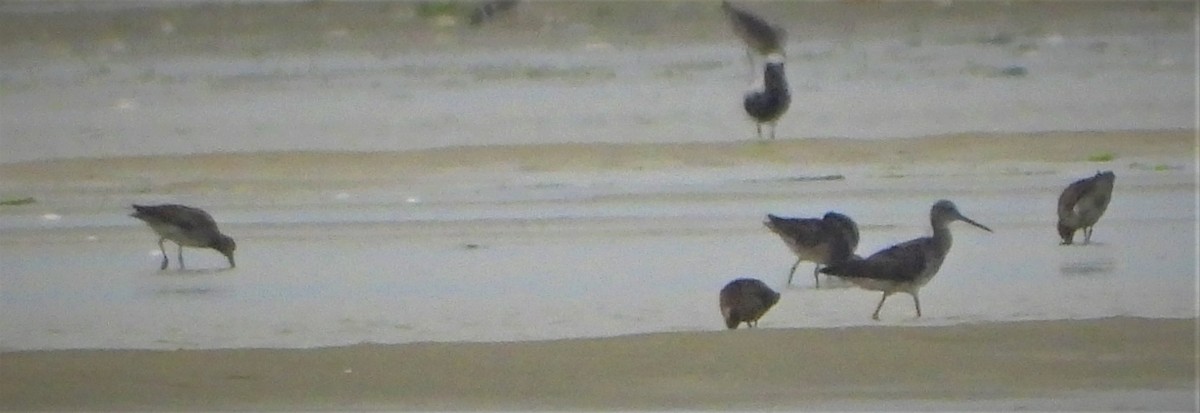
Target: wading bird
{"x":185,"y":226}
{"x":1081,"y":205}
{"x":823,"y":241}
{"x":745,"y":300}
{"x":766,"y":105}
{"x":907,"y":266}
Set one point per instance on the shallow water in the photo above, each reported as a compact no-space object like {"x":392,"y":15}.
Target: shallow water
{"x":567,"y":261}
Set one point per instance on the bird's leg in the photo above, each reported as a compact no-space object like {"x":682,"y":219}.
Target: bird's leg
{"x":875,"y":316}
{"x":163,"y":250}
{"x":1087,"y":235}
{"x":917,"y":302}
{"x":816,"y":274}
{"x":758,"y":128}
{"x":180,"y":256}
{"x":772,"y":130}
{"x":793,"y":271}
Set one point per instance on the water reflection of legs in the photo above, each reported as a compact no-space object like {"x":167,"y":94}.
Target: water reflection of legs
{"x":1088,"y":260}
{"x":1088,"y":267}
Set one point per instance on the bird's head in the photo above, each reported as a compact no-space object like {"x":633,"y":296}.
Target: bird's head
{"x":1065,"y":232}
{"x":226,"y":246}
{"x":945,"y":211}
{"x":731,"y":322}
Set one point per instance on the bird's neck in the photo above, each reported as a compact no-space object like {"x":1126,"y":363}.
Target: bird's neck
{"x":941,"y":234}
{"x":775,"y":83}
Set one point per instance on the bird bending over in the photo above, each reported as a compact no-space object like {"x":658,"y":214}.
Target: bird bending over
{"x":745,"y":300}
{"x":1081,"y":205}
{"x":185,"y":226}
{"x":823,"y":241}
{"x":907,"y":266}
{"x":759,"y":36}
{"x":766,"y":105}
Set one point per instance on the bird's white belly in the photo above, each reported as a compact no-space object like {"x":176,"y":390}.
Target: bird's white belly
{"x":872,"y":284}
{"x":811,"y":253}
{"x":816,"y":253}
{"x":177,"y":235}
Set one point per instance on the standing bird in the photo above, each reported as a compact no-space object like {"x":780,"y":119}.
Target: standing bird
{"x":759,"y":36}
{"x":1082,"y":204}
{"x":823,"y":241}
{"x":745,"y":300}
{"x":769,"y":103}
{"x":185,"y":226}
{"x":907,"y":266}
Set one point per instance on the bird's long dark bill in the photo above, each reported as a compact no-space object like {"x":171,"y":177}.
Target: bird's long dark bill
{"x":969,"y":221}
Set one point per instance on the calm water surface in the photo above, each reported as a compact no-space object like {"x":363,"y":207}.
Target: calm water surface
{"x":574,"y":268}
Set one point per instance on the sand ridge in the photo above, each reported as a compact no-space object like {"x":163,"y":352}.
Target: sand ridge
{"x":373,"y":166}
{"x":764,"y":368}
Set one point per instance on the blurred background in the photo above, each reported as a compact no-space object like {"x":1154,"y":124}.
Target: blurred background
{"x":111,"y":78}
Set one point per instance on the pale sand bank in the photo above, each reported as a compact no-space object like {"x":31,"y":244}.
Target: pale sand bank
{"x":765,"y":368}
{"x":317,"y":167}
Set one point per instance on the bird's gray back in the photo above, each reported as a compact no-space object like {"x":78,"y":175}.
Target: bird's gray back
{"x":748,"y":296}
{"x":909,"y":262}
{"x":1083,"y":202}
{"x":845,"y":228}
{"x":179,"y":223}
{"x":804,"y":232}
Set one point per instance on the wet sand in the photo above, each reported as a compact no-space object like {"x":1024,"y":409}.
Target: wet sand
{"x":881,"y":367}
{"x":272,"y":171}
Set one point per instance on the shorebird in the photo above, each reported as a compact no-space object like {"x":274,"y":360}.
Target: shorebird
{"x":823,"y":241}
{"x":766,"y":105}
{"x":907,"y":266}
{"x":185,"y":226}
{"x":760,"y":36}
{"x":1082,"y":204}
{"x":745,"y":300}
{"x":489,"y":10}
